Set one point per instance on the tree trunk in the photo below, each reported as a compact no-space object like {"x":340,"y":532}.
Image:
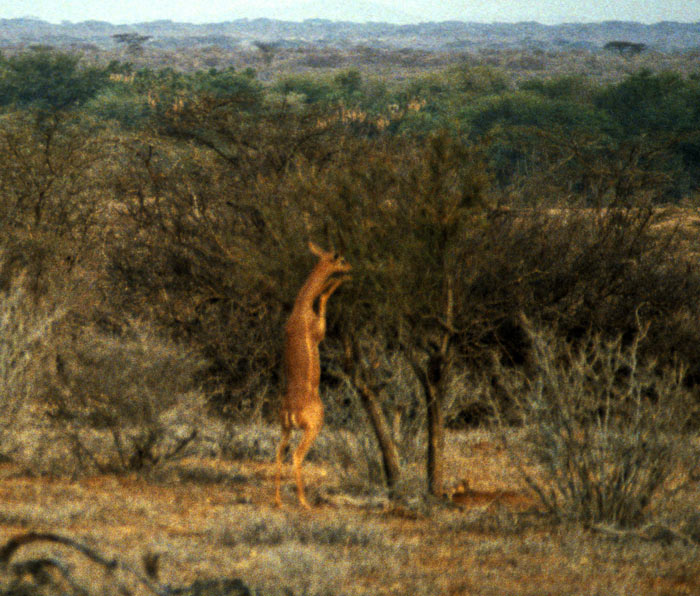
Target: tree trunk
{"x":370,"y":403}
{"x":436,"y":439}
{"x":432,"y":382}
{"x":387,"y":446}
{"x":433,"y":377}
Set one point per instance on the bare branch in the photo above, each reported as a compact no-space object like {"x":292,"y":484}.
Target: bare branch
{"x":14,"y":544}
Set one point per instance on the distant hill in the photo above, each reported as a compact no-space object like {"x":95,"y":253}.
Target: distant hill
{"x":340,"y":11}
{"x":443,"y":36}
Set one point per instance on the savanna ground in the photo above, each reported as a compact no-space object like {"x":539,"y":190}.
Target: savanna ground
{"x":208,"y":517}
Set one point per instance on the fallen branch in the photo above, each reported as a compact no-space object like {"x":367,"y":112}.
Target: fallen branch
{"x":35,"y":565}
{"x":37,"y":568}
{"x":650,"y":533}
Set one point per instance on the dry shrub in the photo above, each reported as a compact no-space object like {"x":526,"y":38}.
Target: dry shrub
{"x":580,"y":270}
{"x":250,"y":440}
{"x":606,"y":431}
{"x":183,"y":258}
{"x":49,"y":166}
{"x":126,"y":401}
{"x":355,"y":458}
{"x":26,"y":332}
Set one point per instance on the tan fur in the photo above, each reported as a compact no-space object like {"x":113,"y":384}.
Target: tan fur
{"x":301,"y":403}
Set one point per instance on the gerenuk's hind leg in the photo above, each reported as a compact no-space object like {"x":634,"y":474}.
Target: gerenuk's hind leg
{"x":284,"y":441}
{"x":310,"y":434}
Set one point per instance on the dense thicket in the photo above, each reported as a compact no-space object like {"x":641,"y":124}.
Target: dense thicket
{"x":463,"y":200}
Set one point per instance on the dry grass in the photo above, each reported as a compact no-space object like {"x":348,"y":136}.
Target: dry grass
{"x":213,"y":518}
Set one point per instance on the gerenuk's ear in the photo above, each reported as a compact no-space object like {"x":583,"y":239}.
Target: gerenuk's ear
{"x":316,"y":250}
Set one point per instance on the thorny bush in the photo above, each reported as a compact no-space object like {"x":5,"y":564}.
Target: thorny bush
{"x":605,"y":431}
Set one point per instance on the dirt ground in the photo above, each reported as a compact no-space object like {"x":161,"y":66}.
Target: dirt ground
{"x":212,"y":518}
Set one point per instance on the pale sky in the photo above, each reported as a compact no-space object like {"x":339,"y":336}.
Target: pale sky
{"x":485,"y":11}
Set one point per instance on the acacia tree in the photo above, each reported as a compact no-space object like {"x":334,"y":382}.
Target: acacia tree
{"x":268,"y":50}
{"x":212,"y":244}
{"x":449,"y":182}
{"x":625,"y":47}
{"x":48,"y":211}
{"x":403,"y":214}
{"x":49,"y":80}
{"x":400,"y":209}
{"x":132,"y":41}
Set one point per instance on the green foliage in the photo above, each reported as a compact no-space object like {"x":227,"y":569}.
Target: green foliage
{"x":518,"y":124}
{"x":572,"y":88}
{"x":625,"y":47}
{"x":349,"y":82}
{"x":347,"y":87}
{"x":431,"y":86}
{"x":529,"y":109}
{"x":48,"y":79}
{"x":651,"y":104}
{"x":312,"y":89}
{"x":168,"y":87}
{"x":418,"y":124}
{"x":477,"y":80}
{"x":122,"y":105}
{"x":659,"y":110}
{"x":225,"y":83}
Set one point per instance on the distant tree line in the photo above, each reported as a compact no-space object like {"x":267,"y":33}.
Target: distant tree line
{"x":625,"y":47}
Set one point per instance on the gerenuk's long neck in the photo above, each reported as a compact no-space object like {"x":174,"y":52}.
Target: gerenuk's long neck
{"x":312,"y":287}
